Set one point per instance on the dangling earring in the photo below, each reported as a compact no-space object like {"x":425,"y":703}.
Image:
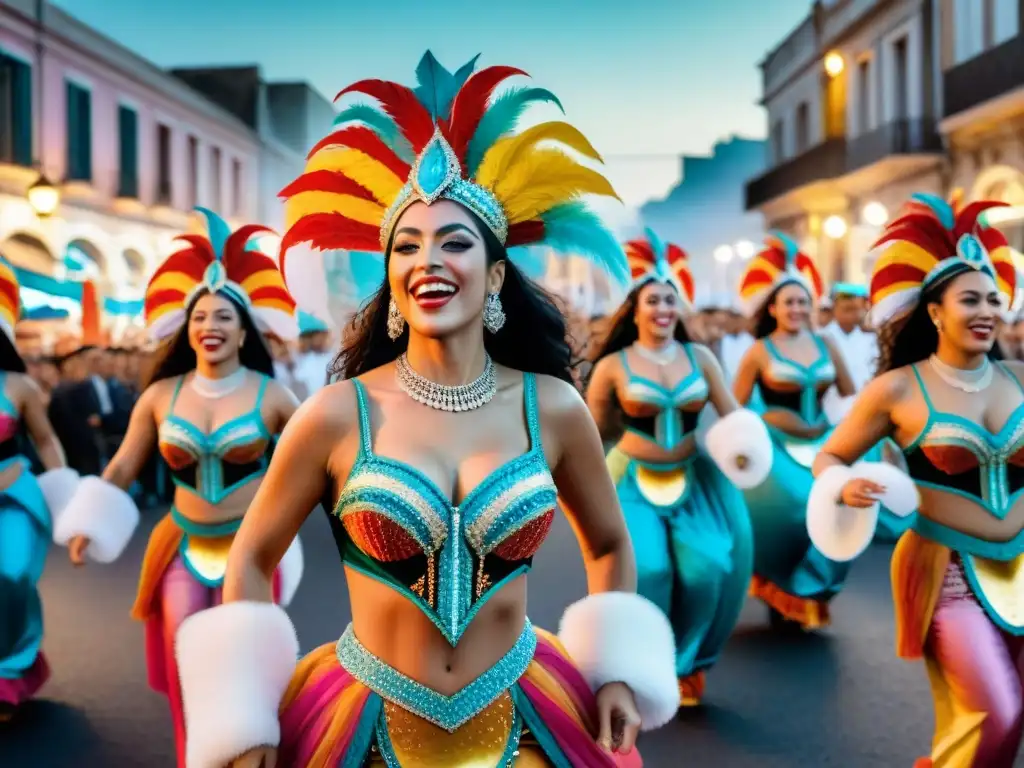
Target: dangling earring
{"x":938,"y":325}
{"x":494,"y":313}
{"x":396,"y":323}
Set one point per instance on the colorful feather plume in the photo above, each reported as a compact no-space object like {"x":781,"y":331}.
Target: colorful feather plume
{"x":220,"y":261}
{"x":10,"y":298}
{"x":380,"y":158}
{"x":651,"y":258}
{"x":780,"y":261}
{"x":929,"y":237}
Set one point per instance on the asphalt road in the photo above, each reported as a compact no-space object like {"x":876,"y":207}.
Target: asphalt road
{"x":839,"y":698}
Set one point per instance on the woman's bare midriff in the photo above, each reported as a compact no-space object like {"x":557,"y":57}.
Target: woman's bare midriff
{"x":961,"y":514}
{"x":793,"y":425}
{"x":398,"y":633}
{"x":643,"y":449}
{"x":203,"y":512}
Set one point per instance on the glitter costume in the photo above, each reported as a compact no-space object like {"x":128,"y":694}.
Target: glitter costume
{"x":185,"y":560}
{"x":687,"y":520}
{"x":449,"y":138}
{"x":28,"y":506}
{"x":956,"y":596}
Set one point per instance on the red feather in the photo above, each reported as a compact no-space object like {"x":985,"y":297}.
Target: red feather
{"x":674,"y":253}
{"x":327,"y":181}
{"x":411,"y":117}
{"x":364,"y":140}
{"x":895,"y":273}
{"x":200,"y":243}
{"x":272,"y":293}
{"x":758,"y":276}
{"x":160,"y":298}
{"x":687,"y":282}
{"x":1008,"y":273}
{"x":968,"y":218}
{"x":992,"y":239}
{"x":470,"y":104}
{"x":525,"y":233}
{"x":238,"y":239}
{"x":329,"y":232}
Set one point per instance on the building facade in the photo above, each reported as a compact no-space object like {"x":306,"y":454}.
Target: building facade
{"x":131,"y":148}
{"x":852,"y":96}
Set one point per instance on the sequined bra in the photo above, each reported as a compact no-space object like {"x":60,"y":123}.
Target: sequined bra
{"x":216,"y":464}
{"x":658,"y":413}
{"x":795,"y":387}
{"x":394,"y":524}
{"x":954,"y":454}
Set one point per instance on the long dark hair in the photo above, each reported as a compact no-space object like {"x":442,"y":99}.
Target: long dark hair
{"x":10,"y":359}
{"x":534,"y":338}
{"x":764,"y":323}
{"x":175,"y":357}
{"x":620,"y":329}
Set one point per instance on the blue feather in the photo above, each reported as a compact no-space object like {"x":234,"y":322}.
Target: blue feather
{"x":380,"y":124}
{"x":436,"y":86}
{"x":792,"y":249}
{"x":943,"y":210}
{"x":501,"y":118}
{"x":217,"y":229}
{"x":572,"y":228}
{"x":463,"y":73}
{"x":657,"y":244}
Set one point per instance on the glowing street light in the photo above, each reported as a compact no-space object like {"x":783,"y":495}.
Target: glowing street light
{"x":723,"y":254}
{"x":43,"y":196}
{"x":875,"y":214}
{"x":834,"y":64}
{"x":835,"y":227}
{"x":745,"y":249}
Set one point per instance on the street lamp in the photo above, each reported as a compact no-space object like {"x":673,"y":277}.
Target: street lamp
{"x":875,"y":214}
{"x":43,"y":195}
{"x":834,"y":64}
{"x":723,"y":254}
{"x":835,"y":227}
{"x":745,"y":249}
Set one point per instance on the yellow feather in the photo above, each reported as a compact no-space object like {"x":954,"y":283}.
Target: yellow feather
{"x":509,"y":151}
{"x":362,"y":169}
{"x":355,"y":208}
{"x":543,"y":179}
{"x":172,"y":281}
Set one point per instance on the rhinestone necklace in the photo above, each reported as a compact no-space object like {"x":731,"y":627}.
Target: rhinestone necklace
{"x":215,"y":389}
{"x":662,"y":356}
{"x":440,"y":397}
{"x":970,"y":381}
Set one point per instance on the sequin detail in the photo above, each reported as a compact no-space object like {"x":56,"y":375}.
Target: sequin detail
{"x":447,"y":712}
{"x":381,"y":538}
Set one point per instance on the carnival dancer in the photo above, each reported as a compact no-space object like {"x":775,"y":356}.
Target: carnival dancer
{"x":211,"y":408}
{"x":940,"y":281}
{"x":28,"y":506}
{"x":441,"y":454}
{"x":688,"y":523}
{"x":792,"y":367}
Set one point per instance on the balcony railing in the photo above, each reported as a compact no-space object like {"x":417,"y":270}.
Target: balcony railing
{"x":986,"y":76}
{"x":821,"y":162}
{"x":901,"y":137}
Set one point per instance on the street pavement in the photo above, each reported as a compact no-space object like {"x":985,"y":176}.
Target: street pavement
{"x":778,"y":699}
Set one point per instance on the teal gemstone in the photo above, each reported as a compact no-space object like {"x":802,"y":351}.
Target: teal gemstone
{"x":970,"y":250}
{"x":433,"y":168}
{"x":215,"y":277}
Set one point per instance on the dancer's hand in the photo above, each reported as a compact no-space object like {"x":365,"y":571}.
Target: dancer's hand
{"x":261,"y":757}
{"x":619,"y":718}
{"x":77,"y":548}
{"x":861,"y":493}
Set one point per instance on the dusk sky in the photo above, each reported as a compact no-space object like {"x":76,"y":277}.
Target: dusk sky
{"x":639,"y":77}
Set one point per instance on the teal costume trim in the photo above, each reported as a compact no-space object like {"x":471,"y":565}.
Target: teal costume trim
{"x":207,"y":478}
{"x":462,"y":549}
{"x":809,"y":377}
{"x":205,"y":531}
{"x":447,"y":712}
{"x":694,"y":556}
{"x":670,"y":426}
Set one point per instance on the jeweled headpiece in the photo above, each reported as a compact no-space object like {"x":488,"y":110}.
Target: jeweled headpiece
{"x":780,"y":262}
{"x":652,"y":259}
{"x":10,"y":298}
{"x":449,"y":138}
{"x":222,"y":262}
{"x":930,"y":241}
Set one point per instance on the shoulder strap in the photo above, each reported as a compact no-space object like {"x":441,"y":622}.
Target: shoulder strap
{"x":625,"y":362}
{"x":1005,"y":369}
{"x":924,"y":390}
{"x":692,"y":358}
{"x":365,"y":442}
{"x":773,"y":351}
{"x":264,"y":381}
{"x":174,"y":395}
{"x":532,"y":416}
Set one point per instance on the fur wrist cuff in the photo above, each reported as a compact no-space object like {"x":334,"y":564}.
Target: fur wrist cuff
{"x":58,"y":487}
{"x":900,"y":496}
{"x":621,"y":637}
{"x":235,"y":662}
{"x":101,"y":511}
{"x":741,"y":438}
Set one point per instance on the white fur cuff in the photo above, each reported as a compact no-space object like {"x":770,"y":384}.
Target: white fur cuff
{"x":235,"y":662}
{"x":104,"y":513}
{"x":901,"y":496}
{"x":741,"y":435}
{"x":839,"y":532}
{"x":58,"y":487}
{"x":291,"y":567}
{"x":621,"y":637}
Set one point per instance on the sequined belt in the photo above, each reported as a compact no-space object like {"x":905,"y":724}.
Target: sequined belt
{"x":205,"y":546}
{"x":447,"y":712}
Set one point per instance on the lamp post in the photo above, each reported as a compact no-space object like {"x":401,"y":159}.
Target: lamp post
{"x":43,"y":195}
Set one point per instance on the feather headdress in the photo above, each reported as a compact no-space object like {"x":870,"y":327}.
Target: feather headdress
{"x":652,"y":259}
{"x":780,"y":262}
{"x":220,"y":262}
{"x":450,"y":138}
{"x":932,"y":240}
{"x":10,"y":298}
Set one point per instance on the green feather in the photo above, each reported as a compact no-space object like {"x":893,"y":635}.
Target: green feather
{"x":380,"y":124}
{"x":572,"y":228}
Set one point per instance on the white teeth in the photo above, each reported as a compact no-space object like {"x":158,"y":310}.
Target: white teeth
{"x":434,"y":288}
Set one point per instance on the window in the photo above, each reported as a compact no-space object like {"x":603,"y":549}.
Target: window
{"x":236,"y":188}
{"x":15,"y":111}
{"x":193,"y":171}
{"x":163,"y":167}
{"x":215,"y":196}
{"x":863,"y":96}
{"x":1005,"y":20}
{"x":968,"y":29}
{"x":128,"y":157}
{"x":803,"y":127}
{"x":79,"y":119}
{"x":778,"y":142}
{"x":901,"y":106}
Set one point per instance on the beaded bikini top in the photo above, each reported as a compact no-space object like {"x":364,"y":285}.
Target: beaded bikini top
{"x":399,"y":528}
